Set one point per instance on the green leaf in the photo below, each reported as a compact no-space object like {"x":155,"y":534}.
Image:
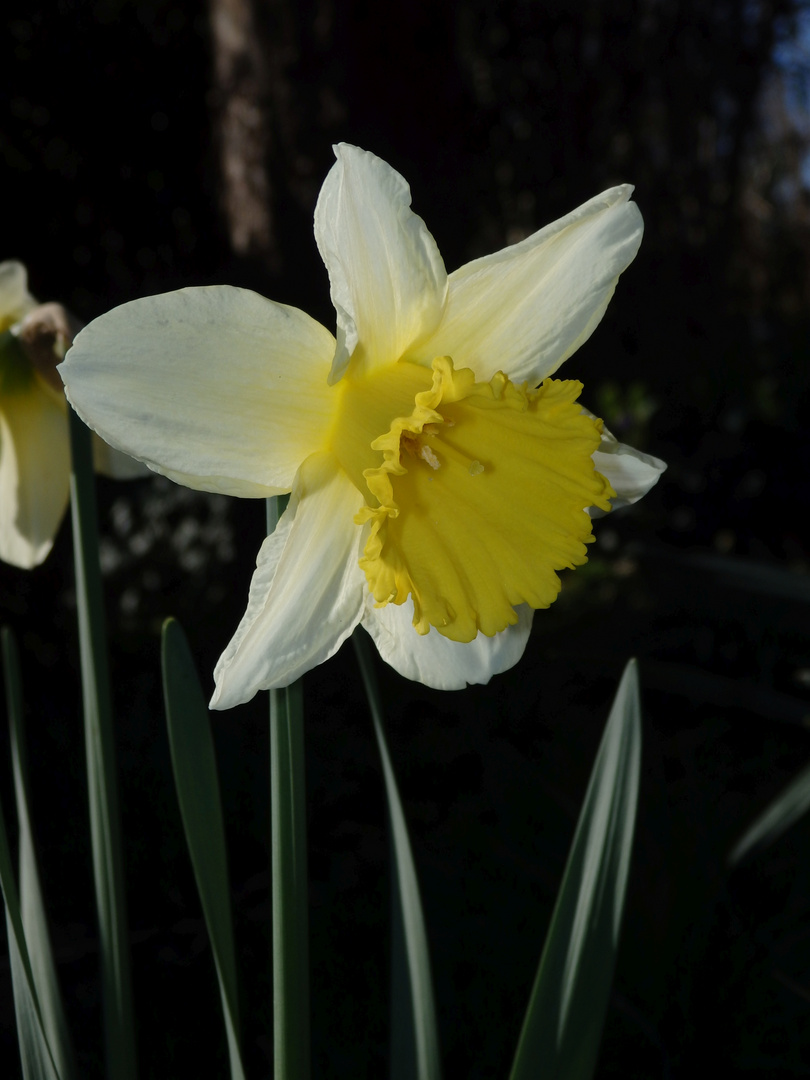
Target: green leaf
{"x":37,"y":1058}
{"x":35,"y":1053}
{"x":197,"y":783}
{"x":414,"y":1036}
{"x":32,"y":907}
{"x":291,"y":1049}
{"x":102,"y":790}
{"x":563,"y":1025}
{"x":733,"y":572}
{"x":785,"y":810}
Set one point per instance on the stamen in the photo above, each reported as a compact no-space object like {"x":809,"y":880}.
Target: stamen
{"x":452,"y":453}
{"x":426,"y":454}
{"x":412,"y":442}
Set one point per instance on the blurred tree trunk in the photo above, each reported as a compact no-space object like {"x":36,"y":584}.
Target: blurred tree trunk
{"x":249,"y":86}
{"x":274,"y":108}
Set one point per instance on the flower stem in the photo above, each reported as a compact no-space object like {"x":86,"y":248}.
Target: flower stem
{"x":102,"y":787}
{"x":289,"y":878}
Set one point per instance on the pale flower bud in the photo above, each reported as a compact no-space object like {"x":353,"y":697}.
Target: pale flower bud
{"x":45,"y":334}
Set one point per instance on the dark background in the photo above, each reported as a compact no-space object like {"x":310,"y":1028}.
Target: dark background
{"x":119,"y":123}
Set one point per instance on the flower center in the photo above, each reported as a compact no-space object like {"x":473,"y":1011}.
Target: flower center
{"x":476,"y":492}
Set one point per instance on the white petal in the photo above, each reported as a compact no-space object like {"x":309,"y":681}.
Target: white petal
{"x":387,"y":278}
{"x":306,"y":595}
{"x":527,"y":308}
{"x":631,"y":473}
{"x":216,"y":387}
{"x":15,"y":299}
{"x":34,"y":472}
{"x":435,"y":660}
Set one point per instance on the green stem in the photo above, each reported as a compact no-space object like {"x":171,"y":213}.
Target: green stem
{"x":105,"y":827}
{"x":289,"y":877}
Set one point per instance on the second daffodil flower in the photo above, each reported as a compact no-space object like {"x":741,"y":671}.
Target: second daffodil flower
{"x":34,"y":438}
{"x":439,"y":477}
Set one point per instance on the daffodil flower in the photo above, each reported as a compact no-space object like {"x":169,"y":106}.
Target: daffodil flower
{"x":439,"y":477}
{"x":34,"y":441}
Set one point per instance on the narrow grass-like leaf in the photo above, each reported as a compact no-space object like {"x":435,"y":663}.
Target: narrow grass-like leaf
{"x":102,"y":789}
{"x":35,"y":1052}
{"x":733,"y":572}
{"x":32,"y":907}
{"x":197,"y":783}
{"x":291,"y":1049}
{"x":785,"y":810}
{"x":414,"y":1037}
{"x":563,"y":1025}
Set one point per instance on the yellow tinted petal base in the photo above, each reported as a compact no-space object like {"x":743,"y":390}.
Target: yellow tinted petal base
{"x":482,"y":492}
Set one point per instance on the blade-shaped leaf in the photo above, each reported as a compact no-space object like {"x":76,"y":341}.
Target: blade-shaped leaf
{"x":32,"y":907}
{"x":785,"y":810}
{"x":414,"y":1037}
{"x":197,"y":783}
{"x":563,"y":1025}
{"x":102,"y":788}
{"x":35,"y":1052}
{"x":734,"y":572}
